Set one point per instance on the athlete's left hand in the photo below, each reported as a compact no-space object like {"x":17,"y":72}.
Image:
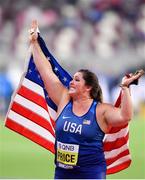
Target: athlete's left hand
{"x":131,"y":78}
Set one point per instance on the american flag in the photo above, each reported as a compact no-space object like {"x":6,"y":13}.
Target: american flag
{"x":32,"y":114}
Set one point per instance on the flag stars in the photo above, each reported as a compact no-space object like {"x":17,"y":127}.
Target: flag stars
{"x":55,"y":69}
{"x":64,"y":79}
{"x":30,"y":71}
{"x":47,"y":96}
{"x":48,"y":58}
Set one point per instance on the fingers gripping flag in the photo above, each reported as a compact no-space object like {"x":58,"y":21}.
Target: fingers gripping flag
{"x":32,"y":114}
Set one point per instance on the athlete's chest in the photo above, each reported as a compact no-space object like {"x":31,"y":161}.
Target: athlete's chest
{"x":71,"y":125}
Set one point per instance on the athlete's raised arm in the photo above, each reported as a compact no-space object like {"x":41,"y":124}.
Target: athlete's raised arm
{"x":110,"y":116}
{"x":119,"y":116}
{"x":52,"y":84}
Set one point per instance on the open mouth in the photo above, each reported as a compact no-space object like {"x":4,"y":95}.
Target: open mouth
{"x":71,"y":89}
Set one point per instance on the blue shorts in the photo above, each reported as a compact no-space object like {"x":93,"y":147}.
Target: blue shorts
{"x":91,"y":172}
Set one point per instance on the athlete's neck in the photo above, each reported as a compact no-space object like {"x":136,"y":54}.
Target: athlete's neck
{"x":81,"y":106}
{"x":82,"y":100}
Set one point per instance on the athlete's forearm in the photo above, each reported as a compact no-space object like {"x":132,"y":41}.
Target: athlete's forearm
{"x":52,"y":84}
{"x":126,"y":104}
{"x":41,"y":62}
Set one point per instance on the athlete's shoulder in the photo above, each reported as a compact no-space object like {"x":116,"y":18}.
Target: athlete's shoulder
{"x":103,"y":106}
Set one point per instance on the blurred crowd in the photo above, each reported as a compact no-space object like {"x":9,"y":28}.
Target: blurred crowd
{"x":107,"y":36}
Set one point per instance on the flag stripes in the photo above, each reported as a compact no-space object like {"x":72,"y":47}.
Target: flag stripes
{"x":32,"y":106}
{"x":122,"y":164}
{"x":33,"y":136}
{"x":116,"y":144}
{"x":114,"y":136}
{"x":119,"y":161}
{"x":32,"y":96}
{"x":117,"y":129}
{"x":115,"y":152}
{"x":34,"y":87}
{"x":38,"y":119}
{"x":31,"y":126}
{"x":118,"y":156}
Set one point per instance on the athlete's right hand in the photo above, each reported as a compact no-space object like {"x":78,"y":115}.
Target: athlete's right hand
{"x":33,"y":34}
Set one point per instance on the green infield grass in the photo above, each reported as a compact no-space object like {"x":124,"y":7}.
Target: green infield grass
{"x":22,"y":159}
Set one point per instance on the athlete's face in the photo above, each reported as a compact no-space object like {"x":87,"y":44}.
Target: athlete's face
{"x":77,"y":85}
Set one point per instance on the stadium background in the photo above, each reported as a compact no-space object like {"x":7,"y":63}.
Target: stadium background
{"x":106,"y":36}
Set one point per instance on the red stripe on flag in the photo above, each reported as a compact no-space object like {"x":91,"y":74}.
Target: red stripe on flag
{"x":116,"y":144}
{"x":119,"y":167}
{"x":30,"y":135}
{"x":32,"y":96}
{"x":117,"y":129}
{"x":36,"y":118}
{"x":112,"y":160}
{"x":118,"y":101}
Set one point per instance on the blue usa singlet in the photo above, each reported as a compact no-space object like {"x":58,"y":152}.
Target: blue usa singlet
{"x":79,"y":145}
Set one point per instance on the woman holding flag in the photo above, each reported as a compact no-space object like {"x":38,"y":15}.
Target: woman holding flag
{"x":82,"y":117}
